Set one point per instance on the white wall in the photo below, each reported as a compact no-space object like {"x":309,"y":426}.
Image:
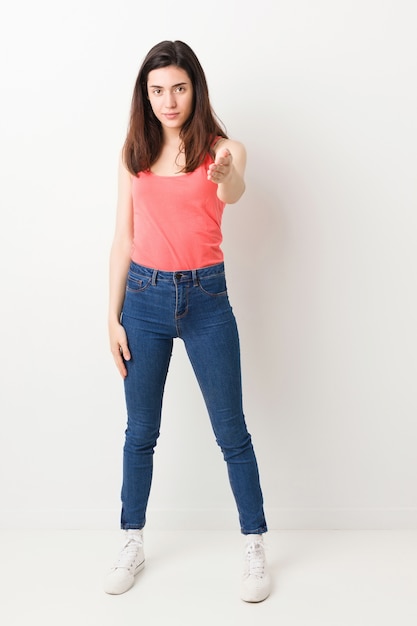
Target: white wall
{"x":320,"y":253}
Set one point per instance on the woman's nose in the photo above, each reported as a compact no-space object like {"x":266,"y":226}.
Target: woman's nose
{"x":170,"y":101}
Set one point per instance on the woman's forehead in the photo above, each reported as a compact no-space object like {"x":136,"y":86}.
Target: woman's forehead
{"x":167,"y":76}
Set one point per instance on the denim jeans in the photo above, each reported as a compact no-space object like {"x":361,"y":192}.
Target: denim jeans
{"x":194,"y":306}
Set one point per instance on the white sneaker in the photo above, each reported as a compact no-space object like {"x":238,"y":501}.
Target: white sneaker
{"x":131,"y":561}
{"x":256,"y":582}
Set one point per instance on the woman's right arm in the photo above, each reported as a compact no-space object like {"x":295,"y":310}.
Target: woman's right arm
{"x":119,"y":266}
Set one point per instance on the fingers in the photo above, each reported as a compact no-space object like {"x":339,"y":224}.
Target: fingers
{"x":125,"y":352}
{"x":120,"y":350}
{"x":223,"y":156}
{"x":119,"y":361}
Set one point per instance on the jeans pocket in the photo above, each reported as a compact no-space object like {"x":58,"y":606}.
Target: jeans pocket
{"x":136,"y":283}
{"x":214,"y":285}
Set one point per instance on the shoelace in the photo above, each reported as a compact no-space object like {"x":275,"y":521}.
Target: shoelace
{"x":256,"y":560}
{"x":128,"y":553}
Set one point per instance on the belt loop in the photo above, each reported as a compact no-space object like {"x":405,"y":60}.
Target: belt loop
{"x":195,"y":279}
{"x":154,"y":275}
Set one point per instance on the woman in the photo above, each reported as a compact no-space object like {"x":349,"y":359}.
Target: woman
{"x":177,"y":171}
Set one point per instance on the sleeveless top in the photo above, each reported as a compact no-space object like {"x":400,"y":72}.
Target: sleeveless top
{"x":176,"y":220}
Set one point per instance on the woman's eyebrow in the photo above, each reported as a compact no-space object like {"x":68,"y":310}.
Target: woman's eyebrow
{"x":161,"y":87}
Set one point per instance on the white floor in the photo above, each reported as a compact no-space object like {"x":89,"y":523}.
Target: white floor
{"x":323,"y":578}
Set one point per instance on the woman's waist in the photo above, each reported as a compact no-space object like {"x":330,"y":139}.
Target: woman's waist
{"x":176,"y":275}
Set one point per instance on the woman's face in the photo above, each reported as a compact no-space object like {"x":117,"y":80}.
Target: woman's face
{"x":170,"y":93}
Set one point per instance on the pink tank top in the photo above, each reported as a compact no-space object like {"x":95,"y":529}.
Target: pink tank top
{"x":176,"y":220}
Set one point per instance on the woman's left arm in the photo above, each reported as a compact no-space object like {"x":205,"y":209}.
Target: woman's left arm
{"x":228,"y":170}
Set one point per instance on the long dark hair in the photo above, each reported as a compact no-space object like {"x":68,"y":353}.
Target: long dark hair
{"x":144,"y":137}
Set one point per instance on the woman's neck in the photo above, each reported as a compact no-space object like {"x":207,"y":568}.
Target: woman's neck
{"x":171,"y":159}
{"x":171,"y":138}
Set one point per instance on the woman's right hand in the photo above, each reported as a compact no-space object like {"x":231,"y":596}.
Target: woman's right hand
{"x":119,"y":347}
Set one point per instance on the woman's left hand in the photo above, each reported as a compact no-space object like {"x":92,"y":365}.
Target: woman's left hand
{"x":219,"y":171}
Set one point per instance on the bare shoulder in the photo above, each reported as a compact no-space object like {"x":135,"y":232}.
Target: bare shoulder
{"x":123,"y":171}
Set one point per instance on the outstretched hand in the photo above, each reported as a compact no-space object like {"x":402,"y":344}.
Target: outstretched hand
{"x":219,"y":171}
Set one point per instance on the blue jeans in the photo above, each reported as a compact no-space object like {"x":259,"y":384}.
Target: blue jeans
{"x":194,"y":306}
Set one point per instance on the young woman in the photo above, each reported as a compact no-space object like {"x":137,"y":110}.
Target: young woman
{"x":177,"y":171}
